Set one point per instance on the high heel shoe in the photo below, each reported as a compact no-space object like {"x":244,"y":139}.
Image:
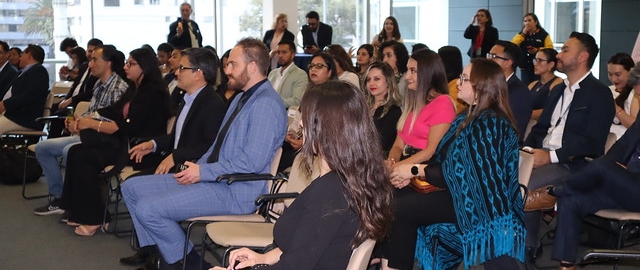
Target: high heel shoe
{"x":90,"y":230}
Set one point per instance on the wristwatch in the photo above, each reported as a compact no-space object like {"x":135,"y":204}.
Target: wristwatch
{"x":414,"y":170}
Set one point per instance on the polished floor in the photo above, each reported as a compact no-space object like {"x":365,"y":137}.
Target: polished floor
{"x":28,"y":241}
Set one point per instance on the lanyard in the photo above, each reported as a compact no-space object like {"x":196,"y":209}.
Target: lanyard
{"x":562,"y":113}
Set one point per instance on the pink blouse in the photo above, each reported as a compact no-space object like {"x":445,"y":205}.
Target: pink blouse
{"x":439,"y":111}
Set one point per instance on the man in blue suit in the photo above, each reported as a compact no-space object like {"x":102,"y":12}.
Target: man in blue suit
{"x":24,"y":100}
{"x":574,"y":124}
{"x":8,"y":72}
{"x":252,"y":130}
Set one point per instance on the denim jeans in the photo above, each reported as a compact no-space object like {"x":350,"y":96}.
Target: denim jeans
{"x":49,"y":152}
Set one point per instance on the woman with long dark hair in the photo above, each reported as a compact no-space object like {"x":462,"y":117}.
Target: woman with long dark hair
{"x":322,"y":68}
{"x":390,"y":31}
{"x":452,"y":60}
{"x":625,"y":98}
{"x":347,"y":204}
{"x":141,"y":113}
{"x":364,"y":57}
{"x":531,"y":39}
{"x":396,"y":55}
{"x":482,"y":34}
{"x":344,"y":67}
{"x":476,"y":169}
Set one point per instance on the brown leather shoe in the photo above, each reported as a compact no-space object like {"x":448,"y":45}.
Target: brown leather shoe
{"x":567,"y":268}
{"x":539,"y":199}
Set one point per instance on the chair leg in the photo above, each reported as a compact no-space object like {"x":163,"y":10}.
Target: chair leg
{"x":24,"y":179}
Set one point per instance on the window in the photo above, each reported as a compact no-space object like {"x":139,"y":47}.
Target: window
{"x":138,"y":2}
{"x":111,"y":3}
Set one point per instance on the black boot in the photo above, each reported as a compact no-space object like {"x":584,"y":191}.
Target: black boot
{"x":141,"y":256}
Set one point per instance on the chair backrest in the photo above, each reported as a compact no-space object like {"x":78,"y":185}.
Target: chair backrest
{"x":61,"y":87}
{"x":611,"y":139}
{"x":48,"y":104}
{"x":170,"y":122}
{"x":81,"y":108}
{"x":524,"y":169}
{"x":298,"y":178}
{"x":361,"y":255}
{"x":529,"y":126}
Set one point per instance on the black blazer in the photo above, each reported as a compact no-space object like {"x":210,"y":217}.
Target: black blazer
{"x":490,"y":38}
{"x":28,"y":94}
{"x":622,"y":150}
{"x":7,"y":75}
{"x":587,"y":125}
{"x":183,"y":40}
{"x":268,"y":36}
{"x":199,"y":129}
{"x":521,"y":103}
{"x":325,"y":33}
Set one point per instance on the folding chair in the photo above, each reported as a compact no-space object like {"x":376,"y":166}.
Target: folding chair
{"x":624,"y":219}
{"x":257,"y":235}
{"x":361,"y":255}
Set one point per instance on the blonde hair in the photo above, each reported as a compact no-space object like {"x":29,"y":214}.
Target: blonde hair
{"x":278,"y":17}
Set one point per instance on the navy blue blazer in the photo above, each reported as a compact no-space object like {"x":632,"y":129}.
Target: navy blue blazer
{"x":521,"y":103}
{"x":199,"y":129}
{"x":28,"y":94}
{"x":325,"y":33}
{"x":587,"y":125}
{"x":622,"y":150}
{"x":7,"y":75}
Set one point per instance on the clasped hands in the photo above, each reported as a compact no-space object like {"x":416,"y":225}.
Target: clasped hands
{"x":399,"y":173}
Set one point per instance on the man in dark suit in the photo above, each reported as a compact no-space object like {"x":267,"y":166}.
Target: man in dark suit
{"x":185,"y":32}
{"x":8,"y":72}
{"x":506,"y":54}
{"x":315,"y":34}
{"x":574,"y":123}
{"x":609,"y":182}
{"x":24,"y":101}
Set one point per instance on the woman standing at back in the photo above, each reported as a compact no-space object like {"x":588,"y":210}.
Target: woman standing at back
{"x":278,"y":32}
{"x":390,"y":31}
{"x":483,"y":35}
{"x":531,"y":39}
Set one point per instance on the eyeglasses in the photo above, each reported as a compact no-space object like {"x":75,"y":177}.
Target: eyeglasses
{"x":129,"y":64}
{"x":182,"y":68}
{"x":317,"y":66}
{"x":493,"y":55}
{"x":539,"y":60}
{"x":463,"y":79}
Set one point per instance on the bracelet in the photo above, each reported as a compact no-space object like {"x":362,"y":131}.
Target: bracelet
{"x":99,"y":125}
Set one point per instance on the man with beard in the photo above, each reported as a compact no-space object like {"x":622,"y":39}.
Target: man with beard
{"x":252,"y":130}
{"x":289,"y":80}
{"x":574,"y":124}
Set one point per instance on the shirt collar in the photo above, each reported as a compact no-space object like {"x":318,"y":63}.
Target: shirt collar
{"x":576,"y":85}
{"x":284,"y":72}
{"x":188,"y":98}
{"x":253,"y":89}
{"x":510,"y":76}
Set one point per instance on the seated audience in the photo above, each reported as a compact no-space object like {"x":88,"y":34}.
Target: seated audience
{"x":164,"y":53}
{"x":142,"y":112}
{"x":609,"y":182}
{"x":24,"y":100}
{"x":544,"y":66}
{"x":107,"y":66}
{"x":69,"y":71}
{"x":8,"y":72}
{"x":337,"y":211}
{"x":194,"y":130}
{"x":175,"y":92}
{"x":383,"y":97}
{"x":14,"y":57}
{"x":289,"y":80}
{"x":322,"y":68}
{"x":478,"y":153}
{"x":253,"y":129}
{"x":364,"y":57}
{"x":344,"y":67}
{"x":427,"y":113}
{"x":396,"y":55}
{"x":419,"y":46}
{"x":223,"y":89}
{"x":626,"y":99}
{"x":452,"y":60}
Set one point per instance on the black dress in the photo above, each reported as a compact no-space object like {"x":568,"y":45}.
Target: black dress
{"x":386,"y":126}
{"x":83,"y":192}
{"x":316,"y":231}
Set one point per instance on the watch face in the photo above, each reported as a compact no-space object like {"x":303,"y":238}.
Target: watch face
{"x":414,"y":170}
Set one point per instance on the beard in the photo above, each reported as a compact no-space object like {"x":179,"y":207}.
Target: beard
{"x":240,"y":82}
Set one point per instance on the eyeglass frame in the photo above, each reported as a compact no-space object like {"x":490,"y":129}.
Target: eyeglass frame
{"x":462,"y":79}
{"x":536,"y":60}
{"x":317,"y":66}
{"x":493,"y":55}
{"x":182,"y":68}
{"x":129,"y":64}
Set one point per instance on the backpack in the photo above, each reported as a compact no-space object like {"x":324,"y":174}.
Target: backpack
{"x":12,"y":165}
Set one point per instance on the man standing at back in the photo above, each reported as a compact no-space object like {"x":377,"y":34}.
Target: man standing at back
{"x":574,"y":124}
{"x":289,"y":80}
{"x":185,"y":32}
{"x":315,"y":34}
{"x":24,"y":101}
{"x":252,"y":130}
{"x":8,"y":72}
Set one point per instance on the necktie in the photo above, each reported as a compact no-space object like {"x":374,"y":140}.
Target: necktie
{"x":223,"y":132}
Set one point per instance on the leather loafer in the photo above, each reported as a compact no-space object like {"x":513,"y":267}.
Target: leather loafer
{"x":539,"y":199}
{"x":137,"y":259}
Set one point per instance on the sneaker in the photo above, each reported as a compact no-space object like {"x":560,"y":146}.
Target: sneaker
{"x":50,"y":209}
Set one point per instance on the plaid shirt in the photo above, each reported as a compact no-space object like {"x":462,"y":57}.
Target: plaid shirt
{"x":107,"y":93}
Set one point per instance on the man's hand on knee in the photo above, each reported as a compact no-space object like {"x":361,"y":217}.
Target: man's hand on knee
{"x":190,"y":175}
